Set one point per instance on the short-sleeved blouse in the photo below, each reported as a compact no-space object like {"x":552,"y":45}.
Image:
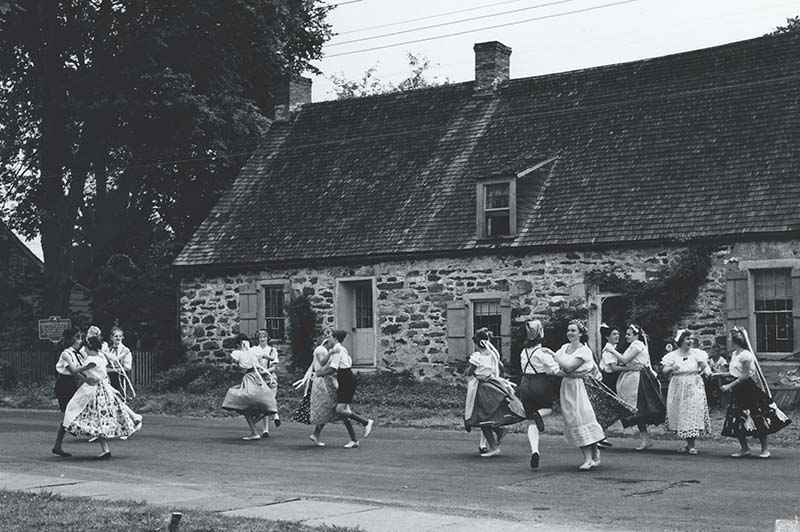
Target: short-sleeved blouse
{"x":534,"y":360}
{"x":583,"y":353}
{"x":320,"y":352}
{"x":688,"y":363}
{"x":99,"y":371}
{"x":486,"y":364}
{"x":642,"y":358}
{"x":340,"y":358}
{"x":246,"y":359}
{"x":68,"y":356}
{"x":608,"y":359}
{"x":737,"y":364}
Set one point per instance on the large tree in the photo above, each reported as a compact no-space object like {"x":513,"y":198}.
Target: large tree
{"x":120,"y":115}
{"x":370,"y":83}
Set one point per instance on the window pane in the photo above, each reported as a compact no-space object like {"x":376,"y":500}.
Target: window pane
{"x":273,"y":311}
{"x":498,"y":224}
{"x":364,"y":305}
{"x":773,"y":306}
{"x":487,"y":314}
{"x":497,"y":196}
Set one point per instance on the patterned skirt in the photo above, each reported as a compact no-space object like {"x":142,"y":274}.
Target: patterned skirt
{"x":251,"y":397}
{"x":752,"y":412}
{"x":98,"y":411}
{"x":608,"y":407}
{"x":642,"y":389}
{"x":687,"y":408}
{"x":303,"y":412}
{"x":322,"y":408}
{"x":580,"y":423}
{"x":491,"y":403}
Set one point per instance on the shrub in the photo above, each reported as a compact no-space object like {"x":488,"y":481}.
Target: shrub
{"x":8,"y":377}
{"x":302,"y":330}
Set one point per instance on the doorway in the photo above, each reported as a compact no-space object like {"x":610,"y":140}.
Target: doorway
{"x":355,"y":314}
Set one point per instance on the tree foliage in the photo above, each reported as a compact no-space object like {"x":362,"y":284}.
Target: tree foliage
{"x":370,"y":83}
{"x":792,"y":25}
{"x":121,"y":116}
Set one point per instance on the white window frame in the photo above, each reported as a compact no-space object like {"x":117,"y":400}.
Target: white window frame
{"x":481,"y":206}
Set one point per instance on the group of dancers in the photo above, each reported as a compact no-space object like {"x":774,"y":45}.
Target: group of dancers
{"x":329,"y":386}
{"x":92,"y":388}
{"x":622,"y":387}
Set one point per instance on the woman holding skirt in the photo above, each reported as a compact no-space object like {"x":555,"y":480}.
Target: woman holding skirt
{"x":253,"y":398}
{"x":752,"y":412}
{"x":320,"y":394}
{"x":491,"y":403}
{"x":268,"y":360}
{"x":637,"y":385}
{"x":96,"y":410}
{"x":581,"y":428}
{"x":687,"y":407}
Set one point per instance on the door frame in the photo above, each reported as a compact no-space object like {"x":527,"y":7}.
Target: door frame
{"x":337,"y":317}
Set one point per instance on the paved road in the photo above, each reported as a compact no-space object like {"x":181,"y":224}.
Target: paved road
{"x":427,"y":471}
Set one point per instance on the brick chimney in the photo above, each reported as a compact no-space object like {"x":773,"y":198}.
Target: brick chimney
{"x":492,"y":65}
{"x":289,"y":95}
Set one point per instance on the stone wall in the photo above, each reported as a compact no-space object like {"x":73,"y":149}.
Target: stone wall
{"x":412,"y":296}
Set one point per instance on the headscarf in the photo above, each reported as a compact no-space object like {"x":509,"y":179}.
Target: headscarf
{"x":534,"y":329}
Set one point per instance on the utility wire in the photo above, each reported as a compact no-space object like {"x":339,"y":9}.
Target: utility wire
{"x":435,"y":37}
{"x":442,"y":24}
{"x":417,"y":19}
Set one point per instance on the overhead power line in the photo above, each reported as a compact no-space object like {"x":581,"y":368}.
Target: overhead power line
{"x":417,"y":19}
{"x":442,"y":24}
{"x":435,"y":37}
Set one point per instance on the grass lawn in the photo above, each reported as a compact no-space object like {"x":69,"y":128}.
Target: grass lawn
{"x":391,"y":399}
{"x":45,"y":512}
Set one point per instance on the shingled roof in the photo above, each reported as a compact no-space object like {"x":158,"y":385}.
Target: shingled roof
{"x":693,"y":145}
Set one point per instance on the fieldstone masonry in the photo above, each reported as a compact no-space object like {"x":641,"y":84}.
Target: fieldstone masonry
{"x":411,"y":296}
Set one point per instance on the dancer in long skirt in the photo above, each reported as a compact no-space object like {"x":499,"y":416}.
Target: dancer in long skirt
{"x":96,"y":410}
{"x":320,"y":394}
{"x":120,"y":363}
{"x":268,"y":359}
{"x":491,"y":402}
{"x":68,"y":379}
{"x":581,"y":428}
{"x":752,"y":412}
{"x":687,"y":407}
{"x":637,"y":385}
{"x":539,"y":385}
{"x":253,"y":398}
{"x":341,"y":364}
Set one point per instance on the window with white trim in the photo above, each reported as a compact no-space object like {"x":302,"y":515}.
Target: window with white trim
{"x":773,"y":304}
{"x":497,"y":208}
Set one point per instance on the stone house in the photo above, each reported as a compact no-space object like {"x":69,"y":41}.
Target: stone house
{"x":411,"y":219}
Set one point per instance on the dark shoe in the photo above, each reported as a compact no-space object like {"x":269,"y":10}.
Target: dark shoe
{"x":61,"y":452}
{"x":104,"y":456}
{"x":604,"y":443}
{"x":539,"y":421}
{"x":482,"y":450}
{"x":277,"y":422}
{"x":535,"y":461}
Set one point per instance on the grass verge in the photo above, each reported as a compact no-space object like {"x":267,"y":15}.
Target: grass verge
{"x":47,"y":512}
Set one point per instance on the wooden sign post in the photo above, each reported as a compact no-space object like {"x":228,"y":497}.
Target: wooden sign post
{"x":53,"y":328}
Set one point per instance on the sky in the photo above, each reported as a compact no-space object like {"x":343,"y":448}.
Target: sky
{"x":546,"y":36}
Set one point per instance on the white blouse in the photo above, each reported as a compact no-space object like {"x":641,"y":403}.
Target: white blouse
{"x":737,"y":364}
{"x":691,"y":362}
{"x":535,"y":360}
{"x":340,"y":358}
{"x":584,"y":354}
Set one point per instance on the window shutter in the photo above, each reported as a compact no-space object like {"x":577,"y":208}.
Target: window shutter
{"x":737,"y":303}
{"x":796,"y":308}
{"x":248,"y":309}
{"x":505,"y":329}
{"x":456,"y":329}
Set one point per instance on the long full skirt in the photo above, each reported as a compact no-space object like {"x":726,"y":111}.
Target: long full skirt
{"x":642,"y":389}
{"x":251,"y":397}
{"x":580,"y":423}
{"x":98,"y":411}
{"x":687,"y":408}
{"x":323,"y":401}
{"x":608,"y":406}
{"x":491,"y":403}
{"x":752,"y":412}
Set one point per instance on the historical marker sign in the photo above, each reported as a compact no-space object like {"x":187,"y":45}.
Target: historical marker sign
{"x":53,"y":328}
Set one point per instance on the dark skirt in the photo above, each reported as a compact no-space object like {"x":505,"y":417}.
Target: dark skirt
{"x":347,"y":386}
{"x":494,"y":405}
{"x":116,"y":383}
{"x":650,"y":405}
{"x":610,"y":379}
{"x":751,"y":412}
{"x":66,"y":386}
{"x":538,"y":390}
{"x":608,"y":406}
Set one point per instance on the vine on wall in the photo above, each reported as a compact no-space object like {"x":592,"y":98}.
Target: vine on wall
{"x":658,"y":305}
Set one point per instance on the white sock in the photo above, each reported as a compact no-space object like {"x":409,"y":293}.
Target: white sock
{"x":533,"y":438}
{"x":483,"y":443}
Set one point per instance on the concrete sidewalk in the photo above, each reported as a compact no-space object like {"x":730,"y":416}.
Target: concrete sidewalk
{"x":187,"y":497}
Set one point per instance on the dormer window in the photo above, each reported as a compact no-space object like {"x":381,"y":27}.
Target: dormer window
{"x":497,"y":208}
